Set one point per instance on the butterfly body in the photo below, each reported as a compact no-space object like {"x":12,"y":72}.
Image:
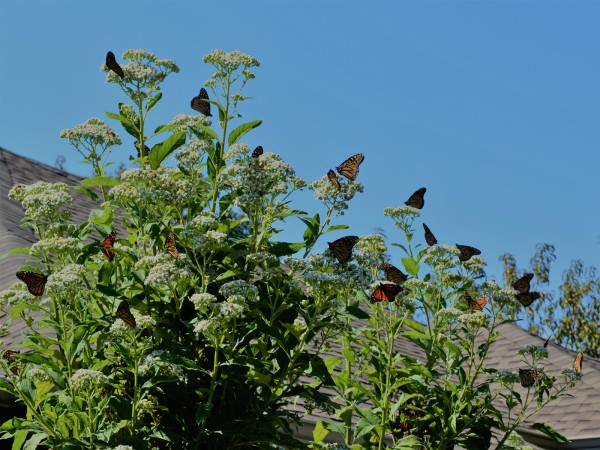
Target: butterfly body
{"x":417,"y":199}
{"x":170,"y":245}
{"x":124,"y":313}
{"x":478,"y":305}
{"x":257,"y":151}
{"x":342,"y":248}
{"x":527,"y":377}
{"x":385,"y":293}
{"x":467,"y":252}
{"x":112,"y":64}
{"x":349,"y":168}
{"x":107,"y":244}
{"x":393,"y":274}
{"x":201,"y":103}
{"x":334,"y":179}
{"x":429,"y":237}
{"x":36,"y":282}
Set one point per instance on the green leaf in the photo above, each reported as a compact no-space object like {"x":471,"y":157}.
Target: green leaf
{"x":337,"y":227}
{"x":153,"y":101}
{"x":99,"y":181}
{"x":88,"y":193}
{"x":203,"y":412}
{"x":125,"y":122}
{"x":320,"y":432}
{"x":207,"y":130}
{"x":411,"y":266}
{"x":285,"y":248}
{"x":161,"y":151}
{"x":236,"y":134}
{"x":549,"y":431}
{"x":407,"y":443}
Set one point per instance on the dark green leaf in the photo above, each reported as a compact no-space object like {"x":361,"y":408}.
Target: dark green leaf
{"x":236,"y":134}
{"x":161,"y":151}
{"x":549,"y":431}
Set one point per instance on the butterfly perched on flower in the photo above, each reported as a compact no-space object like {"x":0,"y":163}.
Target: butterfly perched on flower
{"x":107,"y":244}
{"x":467,"y":252}
{"x":334,"y":179}
{"x":429,"y":237}
{"x":342,"y":248}
{"x":527,"y":298}
{"x":9,"y":357}
{"x":36,"y":282}
{"x":385,"y":292}
{"x":417,"y":199}
{"x":522,"y":284}
{"x":112,"y":64}
{"x":479,"y":304}
{"x":393,"y":274}
{"x":170,"y":245}
{"x":349,"y":168}
{"x":201,"y":103}
{"x":577,"y":364}
{"x":124,"y":313}
{"x":527,"y":377}
{"x":257,"y":151}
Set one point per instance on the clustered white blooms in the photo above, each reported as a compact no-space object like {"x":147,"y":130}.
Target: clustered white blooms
{"x":92,"y":132}
{"x":157,"y":359}
{"x":371,"y":251}
{"x":230,"y":62}
{"x":198,"y":239}
{"x":144,"y":68}
{"x":86,"y":379}
{"x":240,"y":288}
{"x":123,"y":447}
{"x":441,"y":257}
{"x":183,"y":122}
{"x":68,"y":280}
{"x":189,"y":156}
{"x":536,"y":351}
{"x":336,"y":199}
{"x":14,"y":295}
{"x":236,"y":152}
{"x":449,"y":314}
{"x":204,"y":302}
{"x":146,"y":405}
{"x":266,"y":265}
{"x":42,"y":201}
{"x":474,"y":320}
{"x":162,"y":270}
{"x":37,"y":375}
{"x":516,"y":441}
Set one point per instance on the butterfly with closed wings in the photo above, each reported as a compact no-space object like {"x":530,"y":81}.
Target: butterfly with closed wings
{"x":467,"y":252}
{"x":201,"y":104}
{"x":385,"y":292}
{"x":124,"y":313}
{"x":9,"y":357}
{"x":393,"y":274}
{"x":334,"y":179}
{"x":107,"y":244}
{"x":112,"y":64}
{"x":349,"y":168}
{"x":527,"y":377}
{"x":170,"y":245}
{"x":342,"y":248}
{"x":429,"y":237}
{"x":577,"y":364}
{"x":478,"y":305}
{"x":257,"y":151}
{"x":417,"y":199}
{"x":523,"y":284}
{"x":36,"y":282}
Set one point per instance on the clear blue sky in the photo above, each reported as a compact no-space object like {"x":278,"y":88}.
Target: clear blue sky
{"x":493,"y":106}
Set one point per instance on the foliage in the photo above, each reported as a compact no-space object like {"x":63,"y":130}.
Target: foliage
{"x":571,"y":316}
{"x":229,"y":329}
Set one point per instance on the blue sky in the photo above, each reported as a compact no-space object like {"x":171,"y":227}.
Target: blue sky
{"x":493,"y":106}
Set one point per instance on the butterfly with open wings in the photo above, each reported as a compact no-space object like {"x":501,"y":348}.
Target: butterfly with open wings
{"x":349,"y":168}
{"x":342,"y":248}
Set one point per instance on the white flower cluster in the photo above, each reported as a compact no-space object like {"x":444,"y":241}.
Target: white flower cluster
{"x":42,"y":201}
{"x":145,"y":68}
{"x":507,"y":376}
{"x":55,"y":245}
{"x":236,"y":152}
{"x":188,"y":157}
{"x":371,"y":251}
{"x":182,"y":122}
{"x":441,"y":257}
{"x":204,"y":302}
{"x":69,"y":280}
{"x":208,"y":327}
{"x":155,"y":359}
{"x":86,"y":379}
{"x":162,"y":270}
{"x":204,"y":220}
{"x":123,"y":447}
{"x":14,"y":295}
{"x":146,"y":405}
{"x":326,"y":192}
{"x":204,"y":242}
{"x":240,"y":288}
{"x":536,"y":351}
{"x":400,"y":211}
{"x":474,"y":319}
{"x":37,"y":375}
{"x":266,"y":265}
{"x":449,"y":314}
{"x":92,"y":131}
{"x":230,"y":61}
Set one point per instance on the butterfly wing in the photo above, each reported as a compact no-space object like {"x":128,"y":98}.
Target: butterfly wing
{"x":107,"y":244}
{"x":9,"y":357}
{"x":334,"y":179}
{"x":467,"y":252}
{"x":393,"y":274}
{"x":349,"y":168}
{"x":527,"y":298}
{"x":124,"y":313}
{"x":577,"y":364}
{"x":385,"y":293}
{"x":112,"y":64}
{"x":522,"y":284}
{"x":527,"y":377}
{"x":429,"y":237}
{"x":417,"y":200}
{"x":257,"y":151}
{"x":36,"y":282}
{"x":201,"y":103}
{"x":170,"y":245}
{"x":342,"y":248}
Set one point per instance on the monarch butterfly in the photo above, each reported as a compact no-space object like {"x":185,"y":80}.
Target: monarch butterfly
{"x":124,"y":313}
{"x":577,"y":364}
{"x":385,"y":293}
{"x":467,"y":252}
{"x":393,"y":274}
{"x":334,"y":179}
{"x":479,"y":304}
{"x":36,"y":282}
{"x":170,"y":245}
{"x":201,"y":103}
{"x":137,"y":148}
{"x":527,"y":298}
{"x":257,"y":151}
{"x":9,"y":357}
{"x":112,"y":64}
{"x":527,"y":377}
{"x":522,"y":284}
{"x":349,"y":168}
{"x":107,"y":244}
{"x":342,"y":248}
{"x":417,"y":200}
{"x":429,"y":237}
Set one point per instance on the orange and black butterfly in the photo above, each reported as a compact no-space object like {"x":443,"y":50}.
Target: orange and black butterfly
{"x":527,"y":377}
{"x":201,"y":103}
{"x":385,"y":293}
{"x":342,"y":248}
{"x":107,"y":244}
{"x":124,"y":313}
{"x":170,"y":245}
{"x":527,"y":298}
{"x":577,"y":364}
{"x":522,"y":284}
{"x":417,"y":200}
{"x":257,"y":151}
{"x":349,"y":168}
{"x":36,"y":282}
{"x":334,"y":179}
{"x":467,"y":252}
{"x":479,"y":304}
{"x":429,"y":237}
{"x":393,"y":274}
{"x":9,"y":357}
{"x":112,"y":64}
